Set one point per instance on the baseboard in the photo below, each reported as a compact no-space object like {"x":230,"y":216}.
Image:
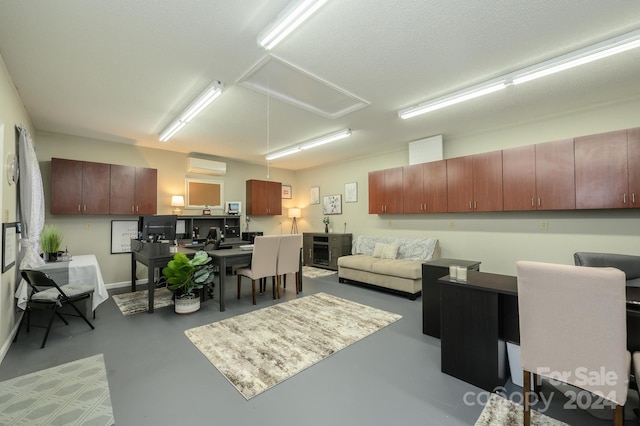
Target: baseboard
{"x":124,"y":284}
{"x":7,"y":343}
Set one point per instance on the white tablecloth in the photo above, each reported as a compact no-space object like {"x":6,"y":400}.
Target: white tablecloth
{"x":83,"y":269}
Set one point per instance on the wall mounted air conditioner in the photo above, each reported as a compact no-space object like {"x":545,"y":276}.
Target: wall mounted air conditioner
{"x":206,"y":167}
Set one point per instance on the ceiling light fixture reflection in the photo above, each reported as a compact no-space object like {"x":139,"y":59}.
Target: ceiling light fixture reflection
{"x":210,"y":94}
{"x":310,"y":144}
{"x":287,"y":21}
{"x":573,"y":59}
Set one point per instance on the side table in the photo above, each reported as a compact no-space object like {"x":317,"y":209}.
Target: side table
{"x":431,"y":271}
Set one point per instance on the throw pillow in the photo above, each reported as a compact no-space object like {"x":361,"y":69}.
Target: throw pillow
{"x":377,"y":251}
{"x":390,"y":251}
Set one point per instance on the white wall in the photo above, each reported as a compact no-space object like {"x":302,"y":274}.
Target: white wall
{"x":498,"y":240}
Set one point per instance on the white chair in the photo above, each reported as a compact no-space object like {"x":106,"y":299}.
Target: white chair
{"x":289,"y":259}
{"x":263,"y":263}
{"x":573,"y":326}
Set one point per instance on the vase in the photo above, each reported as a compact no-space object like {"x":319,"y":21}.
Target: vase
{"x":326,"y":228}
{"x":187,"y":303}
{"x":51,"y":257}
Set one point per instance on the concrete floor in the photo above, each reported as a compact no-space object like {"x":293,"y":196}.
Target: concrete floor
{"x":157,"y":377}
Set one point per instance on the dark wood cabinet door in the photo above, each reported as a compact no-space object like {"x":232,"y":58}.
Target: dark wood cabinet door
{"x":263,"y":197}
{"x":519,"y":178}
{"x":487,"y":182}
{"x":146,"y":191}
{"x":434,"y":180}
{"x":393,"y":191}
{"x":66,"y":186}
{"x":555,"y":179}
{"x":274,"y":198}
{"x":95,"y":188}
{"x":602,"y":178}
{"x":633,"y":165}
{"x":122,"y":190}
{"x":412,"y":188}
{"x":376,"y":192}
{"x":460,"y":184}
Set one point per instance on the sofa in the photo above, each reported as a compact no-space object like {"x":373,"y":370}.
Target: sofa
{"x":390,"y":263}
{"x":629,"y":264}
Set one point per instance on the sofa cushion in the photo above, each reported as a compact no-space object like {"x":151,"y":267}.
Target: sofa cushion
{"x":411,"y":269}
{"x":357,"y":261}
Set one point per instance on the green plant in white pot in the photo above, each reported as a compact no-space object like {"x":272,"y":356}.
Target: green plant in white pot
{"x":50,"y":242}
{"x":185,"y":276}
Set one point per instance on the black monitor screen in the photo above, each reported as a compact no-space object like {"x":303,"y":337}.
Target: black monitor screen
{"x":158,"y":227}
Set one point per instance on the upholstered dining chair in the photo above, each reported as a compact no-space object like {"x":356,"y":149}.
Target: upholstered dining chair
{"x":263,"y":263}
{"x":289,"y":259}
{"x":573,"y":326}
{"x":46,"y":294}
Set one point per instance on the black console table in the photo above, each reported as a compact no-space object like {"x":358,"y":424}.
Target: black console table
{"x":431,"y":271}
{"x":478,"y":317}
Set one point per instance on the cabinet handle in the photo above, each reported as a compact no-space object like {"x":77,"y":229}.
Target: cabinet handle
{"x":633,"y":198}
{"x":137,"y":209}
{"x":538,"y":202}
{"x":329,"y":255}
{"x":132,"y":209}
{"x":532,"y":205}
{"x":624,"y":199}
{"x":475,"y":205}
{"x":84,"y":207}
{"x":78,"y":207}
{"x":470,"y":205}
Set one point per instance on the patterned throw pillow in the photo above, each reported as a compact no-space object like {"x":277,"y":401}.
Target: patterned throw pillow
{"x":390,"y":251}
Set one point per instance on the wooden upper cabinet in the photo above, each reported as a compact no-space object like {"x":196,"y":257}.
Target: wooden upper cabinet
{"x":633,"y":165}
{"x":134,"y":190}
{"x":79,"y":187}
{"x":601,"y":170}
{"x":539,"y":177}
{"x":386,"y":191}
{"x":263,"y":197}
{"x":460,"y":184}
{"x":425,"y":187}
{"x":487,"y":182}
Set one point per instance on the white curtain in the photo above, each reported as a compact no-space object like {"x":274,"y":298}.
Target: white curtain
{"x":31,"y":203}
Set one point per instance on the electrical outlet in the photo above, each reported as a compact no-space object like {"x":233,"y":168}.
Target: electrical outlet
{"x":88,"y":226}
{"x":452,"y":224}
{"x":544,"y":225}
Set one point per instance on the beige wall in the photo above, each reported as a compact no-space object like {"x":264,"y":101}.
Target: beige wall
{"x":12,"y":113}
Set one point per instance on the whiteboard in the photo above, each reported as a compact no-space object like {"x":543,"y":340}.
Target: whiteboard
{"x":122,"y":231}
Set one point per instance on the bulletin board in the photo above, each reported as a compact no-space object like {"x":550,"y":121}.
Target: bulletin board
{"x":122,"y":231}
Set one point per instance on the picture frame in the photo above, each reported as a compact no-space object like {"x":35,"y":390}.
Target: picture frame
{"x":351,"y":192}
{"x":122,"y":231}
{"x":314,"y":195}
{"x":287,"y":192}
{"x":332,"y":204}
{"x":202,"y":193}
{"x":9,"y":245}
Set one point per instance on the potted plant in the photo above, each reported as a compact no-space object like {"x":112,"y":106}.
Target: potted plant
{"x":50,"y":242}
{"x":186,"y":275}
{"x":325,"y":220}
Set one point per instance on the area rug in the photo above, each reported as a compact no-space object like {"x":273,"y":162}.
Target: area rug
{"x":500,"y":411}
{"x":311,"y":272}
{"x":76,"y":393}
{"x":258,"y":350}
{"x":138,"y":301}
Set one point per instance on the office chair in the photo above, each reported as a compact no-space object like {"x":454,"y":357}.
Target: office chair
{"x":573,"y":325}
{"x":46,"y":294}
{"x":214,"y":238}
{"x":289,"y":259}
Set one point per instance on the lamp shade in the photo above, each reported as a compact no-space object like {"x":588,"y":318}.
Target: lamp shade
{"x":177,"y":201}
{"x":295,"y":213}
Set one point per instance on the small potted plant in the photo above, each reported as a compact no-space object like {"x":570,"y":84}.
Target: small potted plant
{"x":185,"y":276}
{"x":325,"y":220}
{"x":50,"y":242}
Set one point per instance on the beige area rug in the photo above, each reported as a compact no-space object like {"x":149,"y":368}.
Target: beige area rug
{"x":76,"y":393}
{"x":311,"y":272}
{"x":258,"y":350}
{"x":136,"y":302}
{"x":500,"y":411}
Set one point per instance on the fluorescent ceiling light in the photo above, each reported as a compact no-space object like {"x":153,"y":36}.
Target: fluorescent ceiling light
{"x":196,"y":107}
{"x":288,"y":20}
{"x":454,"y":98}
{"x":310,"y":144}
{"x":578,"y":57}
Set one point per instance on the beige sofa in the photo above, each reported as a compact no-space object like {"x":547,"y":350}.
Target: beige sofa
{"x":390,"y":263}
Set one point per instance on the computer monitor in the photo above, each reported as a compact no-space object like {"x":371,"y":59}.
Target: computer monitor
{"x":157,"y":227}
{"x":233,"y":207}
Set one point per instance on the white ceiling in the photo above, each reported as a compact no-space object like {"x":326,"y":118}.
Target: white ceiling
{"x":121,"y":70}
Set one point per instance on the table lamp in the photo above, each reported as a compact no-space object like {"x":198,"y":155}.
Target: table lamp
{"x":177,"y":201}
{"x":294,"y":214}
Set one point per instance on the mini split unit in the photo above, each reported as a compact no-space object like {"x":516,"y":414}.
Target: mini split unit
{"x":206,"y":167}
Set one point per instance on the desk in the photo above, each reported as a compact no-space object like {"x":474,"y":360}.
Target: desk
{"x":83,"y":269}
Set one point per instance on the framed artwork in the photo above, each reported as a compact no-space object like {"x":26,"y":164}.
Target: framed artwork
{"x":351,"y":192}
{"x":286,"y":191}
{"x":315,"y":195}
{"x":332,"y":204}
{"x":9,"y":245}
{"x":122,"y":231}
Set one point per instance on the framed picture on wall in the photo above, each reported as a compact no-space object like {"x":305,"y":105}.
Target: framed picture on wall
{"x":332,"y":204}
{"x":314,"y":195}
{"x":351,"y":192}
{"x":9,"y":245}
{"x":286,"y":191}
